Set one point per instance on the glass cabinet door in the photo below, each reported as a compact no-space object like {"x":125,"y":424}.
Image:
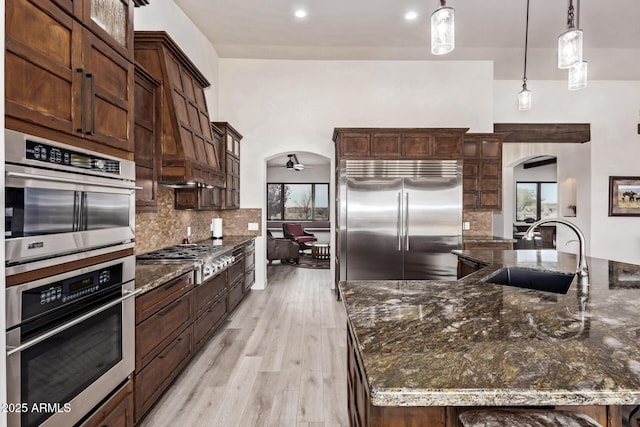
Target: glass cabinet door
{"x":112,"y":16}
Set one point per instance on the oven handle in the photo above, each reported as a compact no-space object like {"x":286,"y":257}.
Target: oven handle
{"x":67,"y":180}
{"x":127,"y":294}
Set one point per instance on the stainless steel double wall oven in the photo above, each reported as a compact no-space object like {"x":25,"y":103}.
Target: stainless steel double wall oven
{"x":69,"y":237}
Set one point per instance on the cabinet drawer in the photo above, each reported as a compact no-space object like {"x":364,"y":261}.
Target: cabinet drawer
{"x":115,"y":412}
{"x":235,"y":271}
{"x":153,"y":301}
{"x":235,"y":294}
{"x":154,"y":379}
{"x":163,"y":326}
{"x":209,"y":320}
{"x":210,"y":290}
{"x":249,"y":278}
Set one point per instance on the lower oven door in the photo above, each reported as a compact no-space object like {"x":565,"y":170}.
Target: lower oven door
{"x":58,"y":377}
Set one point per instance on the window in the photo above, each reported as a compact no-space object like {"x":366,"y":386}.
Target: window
{"x":302,"y":202}
{"x":536,"y":200}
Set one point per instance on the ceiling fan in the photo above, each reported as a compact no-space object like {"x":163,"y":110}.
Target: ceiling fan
{"x":293,"y":163}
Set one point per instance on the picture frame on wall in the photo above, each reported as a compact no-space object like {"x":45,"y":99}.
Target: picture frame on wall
{"x":623,"y":276}
{"x":624,"y":196}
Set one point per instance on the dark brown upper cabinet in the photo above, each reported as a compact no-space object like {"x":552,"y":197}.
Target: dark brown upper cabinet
{"x":399,"y":143}
{"x":189,"y":152}
{"x":67,"y":82}
{"x":482,"y":171}
{"x":231,"y":140}
{"x":146,"y":134}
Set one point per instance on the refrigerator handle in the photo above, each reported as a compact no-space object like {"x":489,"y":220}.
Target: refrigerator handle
{"x":406,"y":223}
{"x":399,"y":222}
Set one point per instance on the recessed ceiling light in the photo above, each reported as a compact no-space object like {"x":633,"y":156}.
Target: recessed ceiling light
{"x":410,"y":16}
{"x":300,"y":13}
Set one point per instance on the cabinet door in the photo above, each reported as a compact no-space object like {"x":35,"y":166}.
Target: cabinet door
{"x":43,"y":51}
{"x":165,"y":325}
{"x":355,"y":145}
{"x":416,"y":146}
{"x":145,"y":133}
{"x":490,"y":182}
{"x":470,"y":183}
{"x":109,"y":99}
{"x":210,"y":290}
{"x":116,"y":412}
{"x":154,"y":379}
{"x":385,"y":145}
{"x":447,"y":147}
{"x":491,"y":149}
{"x":112,"y":21}
{"x":210,"y":198}
{"x":209,"y":320}
{"x":232,"y":192}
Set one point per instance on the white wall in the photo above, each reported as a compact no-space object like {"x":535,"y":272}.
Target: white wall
{"x":287,"y":106}
{"x":611,"y":107}
{"x":165,"y":15}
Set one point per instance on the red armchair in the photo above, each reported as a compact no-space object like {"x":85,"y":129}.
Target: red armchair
{"x":295,"y":232}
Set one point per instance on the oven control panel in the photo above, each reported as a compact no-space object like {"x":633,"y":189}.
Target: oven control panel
{"x":61,"y":156}
{"x":64,"y":292}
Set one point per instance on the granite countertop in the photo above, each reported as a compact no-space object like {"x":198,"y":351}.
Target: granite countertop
{"x":152,"y":273}
{"x":466,"y":342}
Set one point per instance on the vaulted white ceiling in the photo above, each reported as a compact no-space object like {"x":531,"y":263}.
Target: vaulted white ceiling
{"x":376,"y":30}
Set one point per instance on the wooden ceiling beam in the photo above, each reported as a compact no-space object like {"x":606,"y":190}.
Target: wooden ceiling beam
{"x":576,"y":133}
{"x":539,"y":163}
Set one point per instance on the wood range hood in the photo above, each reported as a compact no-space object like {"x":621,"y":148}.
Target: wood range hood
{"x":190,"y":146}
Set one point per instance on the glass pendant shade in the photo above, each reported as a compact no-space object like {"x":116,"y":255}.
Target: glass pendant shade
{"x":524,"y":99}
{"x":569,"y":48}
{"x":578,"y":76}
{"x":442,"y":31}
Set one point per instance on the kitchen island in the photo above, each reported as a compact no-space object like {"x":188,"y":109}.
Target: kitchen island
{"x":421,"y":352}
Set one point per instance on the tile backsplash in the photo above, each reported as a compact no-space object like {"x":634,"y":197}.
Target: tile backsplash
{"x":481,"y":223}
{"x":168,"y":226}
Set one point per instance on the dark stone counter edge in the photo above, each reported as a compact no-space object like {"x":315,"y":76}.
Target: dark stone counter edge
{"x":511,"y":397}
{"x":487,"y":239}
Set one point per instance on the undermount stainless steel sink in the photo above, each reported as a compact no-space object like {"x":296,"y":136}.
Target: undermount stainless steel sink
{"x":548,"y":281}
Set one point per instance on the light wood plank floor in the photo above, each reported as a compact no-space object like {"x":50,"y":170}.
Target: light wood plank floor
{"x":279,"y":360}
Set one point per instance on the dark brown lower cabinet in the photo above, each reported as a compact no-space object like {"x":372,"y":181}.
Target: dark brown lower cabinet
{"x":176,"y":319}
{"x":211,"y":307}
{"x":235,"y":293}
{"x":363,"y":414}
{"x":156,"y":377}
{"x":115,"y":412}
{"x":249,"y":265}
{"x":488,"y":246}
{"x":466,"y":267}
{"x":164,"y":339}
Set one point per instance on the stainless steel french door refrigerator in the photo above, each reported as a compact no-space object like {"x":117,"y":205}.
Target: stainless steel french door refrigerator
{"x":400,"y":219}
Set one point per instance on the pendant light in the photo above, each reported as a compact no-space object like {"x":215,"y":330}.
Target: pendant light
{"x":442,"y":30}
{"x":570,"y":43}
{"x":578,"y":73}
{"x":524,"y":96}
{"x":578,"y":76}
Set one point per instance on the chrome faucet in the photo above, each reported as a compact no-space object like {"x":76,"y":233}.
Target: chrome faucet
{"x":582,"y":269}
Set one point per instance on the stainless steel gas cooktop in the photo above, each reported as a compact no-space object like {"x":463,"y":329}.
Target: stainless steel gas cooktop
{"x":211,"y":259}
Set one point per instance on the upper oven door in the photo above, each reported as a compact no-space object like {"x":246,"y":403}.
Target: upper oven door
{"x":50,"y":213}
